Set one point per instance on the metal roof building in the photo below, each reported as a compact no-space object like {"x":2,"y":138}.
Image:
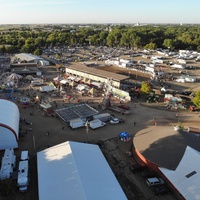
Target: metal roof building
{"x":9,"y":124}
{"x":96,"y":74}
{"x":73,"y":170}
{"x":30,"y":58}
{"x":187,"y":174}
{"x":174,"y":155}
{"x":27,"y":57}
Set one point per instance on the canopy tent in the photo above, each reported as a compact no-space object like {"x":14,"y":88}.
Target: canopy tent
{"x":71,"y":78}
{"x":124,"y":136}
{"x":77,"y":80}
{"x":64,"y":81}
{"x":88,"y":82}
{"x":92,"y":91}
{"x":84,"y":80}
{"x":97,"y":84}
{"x":80,"y":87}
{"x":73,"y":84}
{"x":25,"y":101}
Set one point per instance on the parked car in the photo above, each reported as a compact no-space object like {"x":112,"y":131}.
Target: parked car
{"x":154,"y":181}
{"x":116,"y":120}
{"x":160,"y":190}
{"x":180,"y":80}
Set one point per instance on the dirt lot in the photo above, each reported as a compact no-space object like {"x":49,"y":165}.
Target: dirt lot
{"x":115,"y":151}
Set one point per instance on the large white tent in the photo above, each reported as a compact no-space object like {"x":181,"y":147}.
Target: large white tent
{"x":73,"y":170}
{"x":9,"y":124}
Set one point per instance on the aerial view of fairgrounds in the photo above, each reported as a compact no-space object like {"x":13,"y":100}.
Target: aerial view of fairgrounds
{"x":99,"y":110}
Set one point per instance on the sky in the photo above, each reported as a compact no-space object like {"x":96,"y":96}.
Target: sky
{"x":99,"y":11}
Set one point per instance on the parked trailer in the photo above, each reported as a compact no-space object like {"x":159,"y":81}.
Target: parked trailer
{"x":96,"y":123}
{"x":24,"y":155}
{"x":77,"y":123}
{"x":119,"y":110}
{"x":23,"y":180}
{"x":104,"y":117}
{"x":47,"y":88}
{"x":7,"y":164}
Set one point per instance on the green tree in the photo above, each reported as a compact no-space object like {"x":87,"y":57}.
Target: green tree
{"x":196,"y":99}
{"x":146,"y":87}
{"x":150,"y":46}
{"x":169,"y":43}
{"x":2,"y":49}
{"x":37,"y":52}
{"x":57,"y":56}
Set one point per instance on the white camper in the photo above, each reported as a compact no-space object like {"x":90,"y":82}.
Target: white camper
{"x":24,"y":155}
{"x":23,"y":180}
{"x":7,"y":164}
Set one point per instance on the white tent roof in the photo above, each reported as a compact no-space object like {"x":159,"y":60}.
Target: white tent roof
{"x":187,"y":175}
{"x":64,"y":81}
{"x":73,"y":170}
{"x":9,"y":115}
{"x":28,"y":57}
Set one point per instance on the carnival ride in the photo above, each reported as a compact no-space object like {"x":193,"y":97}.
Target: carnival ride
{"x":9,"y":83}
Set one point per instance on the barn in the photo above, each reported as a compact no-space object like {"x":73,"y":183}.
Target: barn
{"x":94,"y":74}
{"x":9,"y":124}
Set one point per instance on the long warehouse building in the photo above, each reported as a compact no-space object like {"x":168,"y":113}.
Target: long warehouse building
{"x":96,"y":74}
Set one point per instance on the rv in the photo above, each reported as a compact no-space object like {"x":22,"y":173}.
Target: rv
{"x":7,"y":164}
{"x":22,"y":180}
{"x":24,"y":155}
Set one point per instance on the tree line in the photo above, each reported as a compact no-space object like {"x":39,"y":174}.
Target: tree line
{"x":135,"y":37}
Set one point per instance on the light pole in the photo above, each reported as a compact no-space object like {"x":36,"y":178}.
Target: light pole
{"x":87,"y":130}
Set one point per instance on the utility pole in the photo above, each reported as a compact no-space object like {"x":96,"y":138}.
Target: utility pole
{"x":87,"y":131}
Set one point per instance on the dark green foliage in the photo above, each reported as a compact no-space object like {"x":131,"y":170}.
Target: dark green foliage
{"x":25,"y":39}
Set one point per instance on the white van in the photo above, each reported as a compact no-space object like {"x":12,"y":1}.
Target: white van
{"x":154,"y":181}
